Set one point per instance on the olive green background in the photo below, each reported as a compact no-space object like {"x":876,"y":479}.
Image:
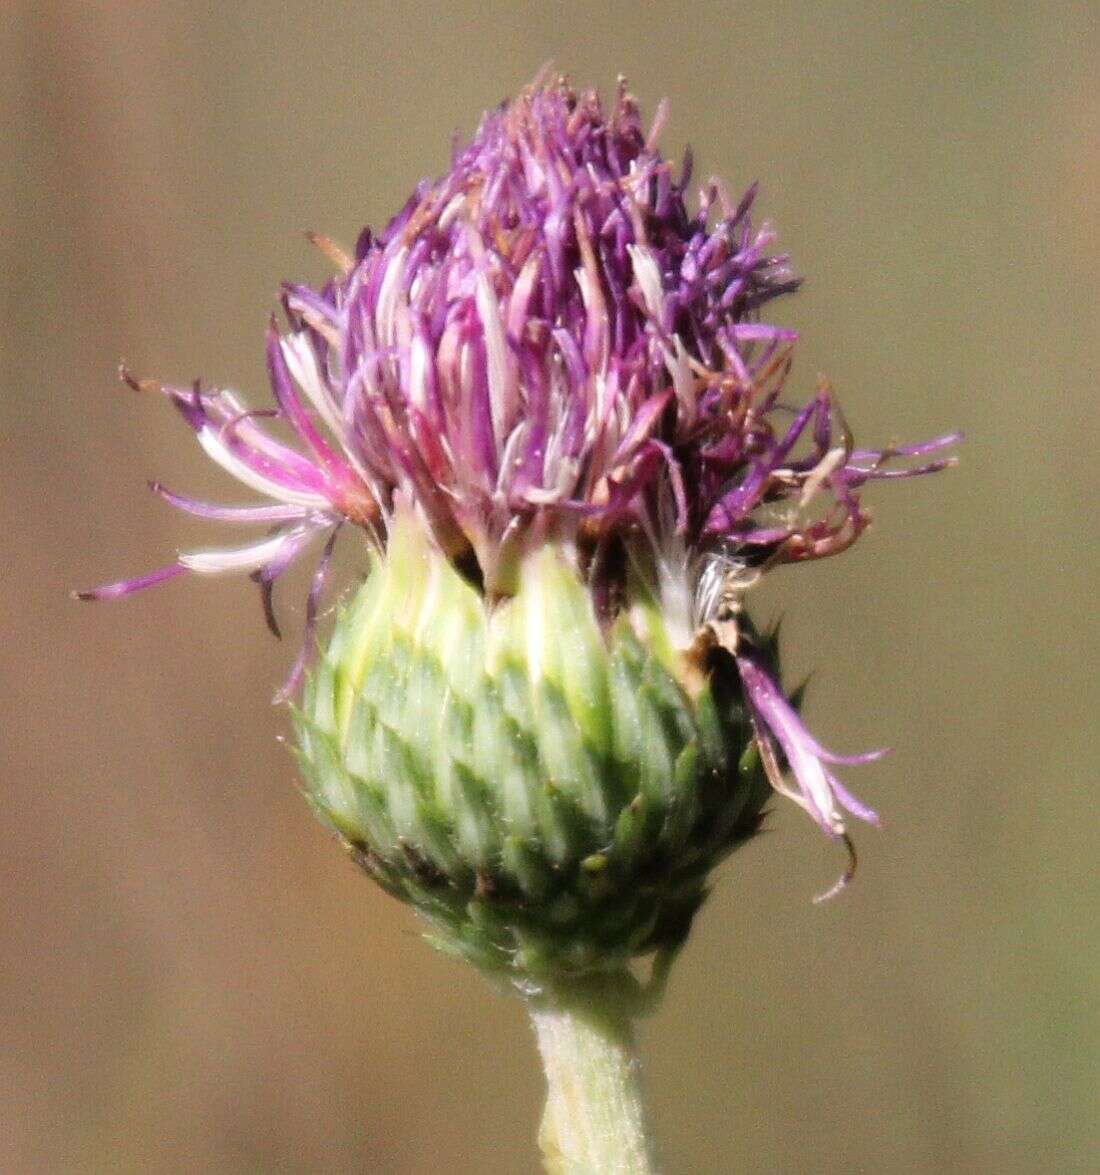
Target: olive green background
{"x":193,"y":977}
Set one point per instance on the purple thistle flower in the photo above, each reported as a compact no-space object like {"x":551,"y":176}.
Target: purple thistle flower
{"x":550,"y":343}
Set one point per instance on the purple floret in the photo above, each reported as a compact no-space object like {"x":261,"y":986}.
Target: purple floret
{"x":551,"y":342}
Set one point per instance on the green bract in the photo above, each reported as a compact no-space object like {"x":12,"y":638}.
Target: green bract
{"x":547,"y":795}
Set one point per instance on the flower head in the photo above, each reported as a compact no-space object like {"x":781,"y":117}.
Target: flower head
{"x":552,"y":345}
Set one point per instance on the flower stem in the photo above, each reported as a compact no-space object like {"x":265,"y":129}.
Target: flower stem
{"x":594,"y":1123}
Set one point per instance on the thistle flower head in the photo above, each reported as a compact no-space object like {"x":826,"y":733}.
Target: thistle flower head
{"x":553,"y":347}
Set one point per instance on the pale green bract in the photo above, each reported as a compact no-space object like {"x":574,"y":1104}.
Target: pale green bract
{"x":547,"y":795}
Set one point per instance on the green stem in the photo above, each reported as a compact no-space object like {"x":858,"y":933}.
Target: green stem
{"x":594,"y":1123}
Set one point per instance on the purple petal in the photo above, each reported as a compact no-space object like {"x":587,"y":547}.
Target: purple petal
{"x":282,"y":384}
{"x":228,"y":513}
{"x":281,"y":547}
{"x":916,"y":450}
{"x":818,"y":788}
{"x":126,"y":587}
{"x":848,"y":801}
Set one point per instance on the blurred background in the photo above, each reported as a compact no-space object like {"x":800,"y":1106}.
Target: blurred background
{"x":193,"y":977}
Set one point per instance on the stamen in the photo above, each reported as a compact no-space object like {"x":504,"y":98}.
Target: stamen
{"x":331,"y":250}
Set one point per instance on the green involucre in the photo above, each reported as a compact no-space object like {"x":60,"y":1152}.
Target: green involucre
{"x":546,"y":795}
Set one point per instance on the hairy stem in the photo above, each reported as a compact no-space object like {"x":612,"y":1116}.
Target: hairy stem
{"x":594,"y":1123}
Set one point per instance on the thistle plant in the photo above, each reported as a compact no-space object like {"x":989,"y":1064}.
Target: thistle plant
{"x":543,"y":405}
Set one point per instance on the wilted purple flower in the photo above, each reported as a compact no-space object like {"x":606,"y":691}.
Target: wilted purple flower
{"x":549,"y":344}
